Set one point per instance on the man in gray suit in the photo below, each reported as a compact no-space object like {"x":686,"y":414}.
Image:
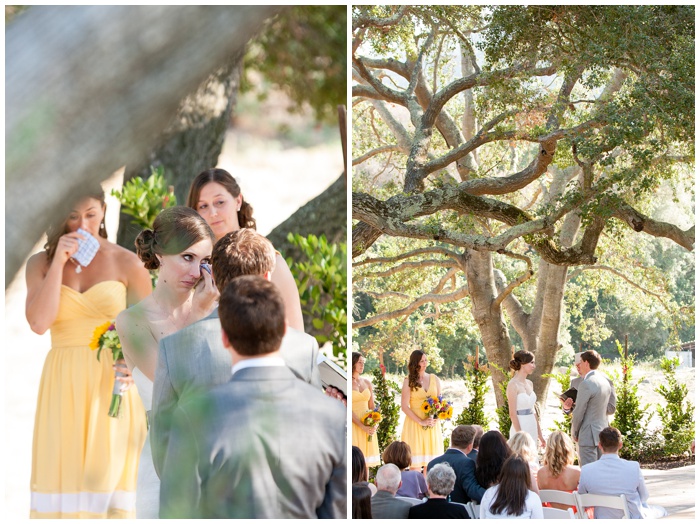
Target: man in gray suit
{"x":612,"y":475}
{"x":263,"y":445}
{"x":194,"y":358}
{"x":385,"y":505}
{"x":567,"y":405}
{"x":590,"y":417}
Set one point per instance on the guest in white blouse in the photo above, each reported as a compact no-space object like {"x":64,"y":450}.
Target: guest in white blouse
{"x":511,"y":498}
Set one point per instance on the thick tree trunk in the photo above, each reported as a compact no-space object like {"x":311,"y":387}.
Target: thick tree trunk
{"x":324,"y":215}
{"x":492,"y":326}
{"x":193,"y":140}
{"x":87,"y":88}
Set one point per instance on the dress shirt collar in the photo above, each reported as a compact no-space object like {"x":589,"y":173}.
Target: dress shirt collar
{"x":260,"y":362}
{"x":589,"y":374}
{"x":457,"y":449}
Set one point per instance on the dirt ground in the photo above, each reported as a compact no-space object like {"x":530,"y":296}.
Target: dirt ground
{"x":276,"y":178}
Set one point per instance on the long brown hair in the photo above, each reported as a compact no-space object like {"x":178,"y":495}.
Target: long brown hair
{"x":223,"y":177}
{"x":413,"y":367}
{"x":513,"y":487}
{"x":56,"y":231}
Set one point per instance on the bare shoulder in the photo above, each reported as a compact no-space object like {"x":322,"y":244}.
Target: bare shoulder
{"x":38,"y":262}
{"x":123,"y":255}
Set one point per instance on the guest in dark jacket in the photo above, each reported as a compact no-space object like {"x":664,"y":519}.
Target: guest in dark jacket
{"x":466,"y":487}
{"x":441,"y":482}
{"x":385,"y":505}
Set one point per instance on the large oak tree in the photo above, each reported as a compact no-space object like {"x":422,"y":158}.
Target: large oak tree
{"x":497,"y":148}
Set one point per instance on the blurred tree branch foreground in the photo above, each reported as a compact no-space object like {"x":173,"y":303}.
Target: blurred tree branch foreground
{"x":88,"y":90}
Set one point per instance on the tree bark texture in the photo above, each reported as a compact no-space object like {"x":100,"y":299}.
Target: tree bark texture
{"x":193,"y":140}
{"x":90,"y":88}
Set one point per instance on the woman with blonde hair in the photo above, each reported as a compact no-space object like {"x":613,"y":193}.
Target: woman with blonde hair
{"x":558,"y":472}
{"x":521,"y":443}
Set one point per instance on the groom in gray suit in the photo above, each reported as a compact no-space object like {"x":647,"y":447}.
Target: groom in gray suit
{"x":194,"y":358}
{"x":590,"y":412}
{"x":263,"y":445}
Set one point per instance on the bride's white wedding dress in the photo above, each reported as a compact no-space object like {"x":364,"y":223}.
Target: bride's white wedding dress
{"x":525,"y":404}
{"x":147,"y":481}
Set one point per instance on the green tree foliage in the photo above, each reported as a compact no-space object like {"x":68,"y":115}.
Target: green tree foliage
{"x":502,"y":412}
{"x":678,"y":427}
{"x":145,"y":199}
{"x":303,"y":52}
{"x":322,"y":281}
{"x":477,"y":385}
{"x":385,"y":392}
{"x":630,"y":417}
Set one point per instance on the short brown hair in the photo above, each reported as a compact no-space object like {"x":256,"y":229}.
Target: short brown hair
{"x":242,"y":252}
{"x":592,"y":357}
{"x":610,"y":439}
{"x":251,"y":311}
{"x":463,"y":436}
{"x":398,"y":453}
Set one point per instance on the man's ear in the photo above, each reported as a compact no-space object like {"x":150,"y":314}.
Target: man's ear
{"x":224,"y":339}
{"x":268,"y":276}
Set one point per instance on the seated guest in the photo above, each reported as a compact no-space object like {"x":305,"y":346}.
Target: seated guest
{"x":413,"y":483}
{"x":385,"y":505}
{"x":558,"y":472}
{"x":441,"y":482}
{"x":466,"y":486}
{"x":612,"y":475}
{"x":360,"y":473}
{"x":512,"y":497}
{"x":522,"y":443}
{"x":477,"y":440}
{"x":361,"y":501}
{"x":229,"y":458}
{"x":493,"y":452}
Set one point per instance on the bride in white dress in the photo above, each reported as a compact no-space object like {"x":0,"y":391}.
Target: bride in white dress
{"x":184,"y":293}
{"x":521,"y":397}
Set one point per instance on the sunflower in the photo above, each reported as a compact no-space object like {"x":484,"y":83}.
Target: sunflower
{"x":97,"y":334}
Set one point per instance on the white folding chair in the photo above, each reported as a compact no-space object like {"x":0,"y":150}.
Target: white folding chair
{"x":554,"y":513}
{"x":586,"y":500}
{"x":473,"y":510}
{"x":560,"y":497}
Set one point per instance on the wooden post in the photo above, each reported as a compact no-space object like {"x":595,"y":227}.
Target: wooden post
{"x":626,"y":350}
{"x":476,"y":359}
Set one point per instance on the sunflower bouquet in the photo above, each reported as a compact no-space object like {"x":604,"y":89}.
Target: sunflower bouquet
{"x":370,"y":419}
{"x":437,"y":407}
{"x":105,"y":337}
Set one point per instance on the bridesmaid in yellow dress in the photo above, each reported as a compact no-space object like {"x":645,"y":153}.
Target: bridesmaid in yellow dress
{"x":421,"y":433}
{"x":84,"y":462}
{"x":362,"y":401}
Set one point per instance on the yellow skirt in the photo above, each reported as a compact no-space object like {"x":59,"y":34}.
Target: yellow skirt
{"x":84,"y":462}
{"x":426,"y":444}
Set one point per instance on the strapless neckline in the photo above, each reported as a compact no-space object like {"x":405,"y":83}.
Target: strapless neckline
{"x":93,"y":286}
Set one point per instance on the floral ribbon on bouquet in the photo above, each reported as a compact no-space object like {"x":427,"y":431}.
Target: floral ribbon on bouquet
{"x":437,"y":407}
{"x":370,"y":419}
{"x":105,"y":337}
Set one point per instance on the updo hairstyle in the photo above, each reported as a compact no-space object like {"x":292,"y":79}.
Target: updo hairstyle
{"x":519,"y":358}
{"x":174,"y":230}
{"x":223,"y":177}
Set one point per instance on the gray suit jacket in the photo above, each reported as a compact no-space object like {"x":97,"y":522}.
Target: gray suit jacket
{"x":263,"y":445}
{"x":195,"y":358}
{"x":612,"y":403}
{"x":590,"y":417}
{"x":611,"y":475}
{"x":387,"y":506}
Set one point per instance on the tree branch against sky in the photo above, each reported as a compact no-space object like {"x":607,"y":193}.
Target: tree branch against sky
{"x":542,"y":133}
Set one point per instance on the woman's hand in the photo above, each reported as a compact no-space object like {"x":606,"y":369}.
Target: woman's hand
{"x":429,"y":422}
{"x":126,"y":379}
{"x":543,"y":443}
{"x":205,"y":296}
{"x":67,"y":246}
{"x":370,"y":430}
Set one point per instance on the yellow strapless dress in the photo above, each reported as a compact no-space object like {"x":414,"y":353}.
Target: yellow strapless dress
{"x":84,"y":462}
{"x":425,"y":444}
{"x":360,"y":406}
